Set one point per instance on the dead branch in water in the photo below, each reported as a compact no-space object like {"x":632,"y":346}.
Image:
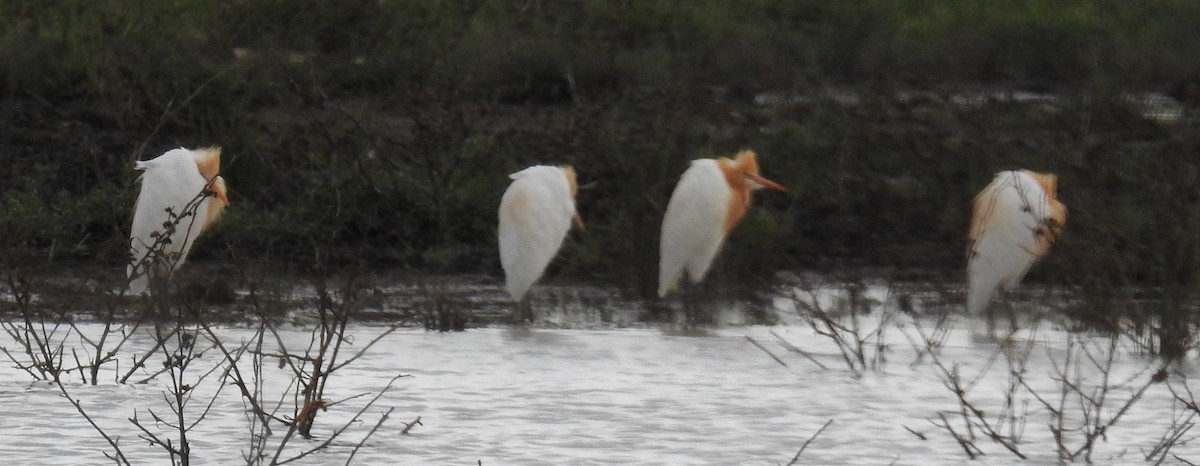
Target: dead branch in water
{"x":382,"y":418}
{"x":772,"y":355}
{"x":409,"y":425}
{"x":794,"y":349}
{"x":1090,"y":402}
{"x":117,"y":455}
{"x":915,"y":433}
{"x":973,"y":418}
{"x":810,"y":440}
{"x":967,"y":444}
{"x":862,"y":347}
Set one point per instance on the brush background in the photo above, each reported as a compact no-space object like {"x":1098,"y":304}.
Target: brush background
{"x":380,"y":133}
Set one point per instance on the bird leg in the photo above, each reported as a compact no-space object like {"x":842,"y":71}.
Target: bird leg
{"x":523,"y":311}
{"x":689,"y":302}
{"x":1001,"y":304}
{"x":696,"y":312}
{"x":1009,"y":310}
{"x":989,"y":315}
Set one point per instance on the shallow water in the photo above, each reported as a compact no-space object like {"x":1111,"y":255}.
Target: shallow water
{"x":629,"y":396}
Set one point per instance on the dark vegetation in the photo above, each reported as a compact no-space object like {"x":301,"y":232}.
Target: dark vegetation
{"x":376,"y":135}
{"x":380,"y":133}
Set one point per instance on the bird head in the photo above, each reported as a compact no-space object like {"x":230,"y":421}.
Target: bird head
{"x":1058,"y":212}
{"x":572,"y":181}
{"x":222,"y":199}
{"x":569,"y":172}
{"x":208,"y":161}
{"x":746,"y":163}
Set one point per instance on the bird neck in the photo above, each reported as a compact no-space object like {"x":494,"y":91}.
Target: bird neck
{"x":739,"y":201}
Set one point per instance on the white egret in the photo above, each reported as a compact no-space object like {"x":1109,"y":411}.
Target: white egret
{"x":181,"y":196}
{"x":1016,"y":218}
{"x":536,"y":213}
{"x":709,"y":200}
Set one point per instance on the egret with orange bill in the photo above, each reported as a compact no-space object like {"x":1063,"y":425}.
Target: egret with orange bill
{"x":182,"y":195}
{"x":1015,"y":220}
{"x":709,"y":200}
{"x":536,"y":213}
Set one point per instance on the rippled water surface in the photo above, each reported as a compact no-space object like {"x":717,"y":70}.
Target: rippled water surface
{"x":623,"y":396}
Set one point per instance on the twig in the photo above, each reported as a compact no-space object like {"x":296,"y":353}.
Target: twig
{"x":967,"y":445}
{"x":917,"y":434}
{"x":973,"y":417}
{"x":409,"y":425}
{"x":391,"y":329}
{"x":335,"y":434}
{"x":119,"y":456}
{"x":236,"y":373}
{"x":806,"y":442}
{"x":797,"y":350}
{"x":756,"y":345}
{"x":362,"y":442}
{"x":1170,"y":439}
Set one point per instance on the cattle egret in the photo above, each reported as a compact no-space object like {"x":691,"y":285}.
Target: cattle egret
{"x":710,"y":198}
{"x":536,"y":213}
{"x":1015,"y":220}
{"x":181,"y":196}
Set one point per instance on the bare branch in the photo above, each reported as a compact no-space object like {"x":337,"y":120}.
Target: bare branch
{"x":117,"y":454}
{"x":756,"y":345}
{"x":409,"y":425}
{"x":806,"y":442}
{"x":382,"y":418}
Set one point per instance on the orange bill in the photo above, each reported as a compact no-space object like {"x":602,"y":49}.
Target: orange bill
{"x":765,"y":182}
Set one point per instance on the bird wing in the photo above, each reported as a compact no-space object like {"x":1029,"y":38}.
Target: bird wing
{"x":1004,"y":236}
{"x":694,"y":225}
{"x":535,"y":216}
{"x":169,"y":181}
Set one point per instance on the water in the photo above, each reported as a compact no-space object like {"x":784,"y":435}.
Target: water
{"x":503,"y":396}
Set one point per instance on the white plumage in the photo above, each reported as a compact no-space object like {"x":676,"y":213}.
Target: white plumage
{"x":1015,"y":220}
{"x":693,"y":227}
{"x":535,"y":215}
{"x":710,"y":198}
{"x":174,"y":181}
